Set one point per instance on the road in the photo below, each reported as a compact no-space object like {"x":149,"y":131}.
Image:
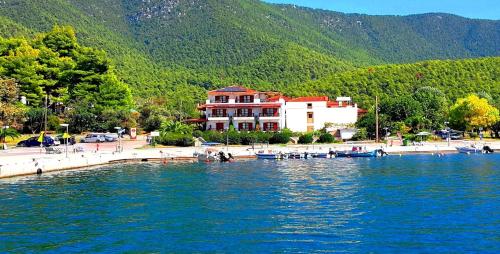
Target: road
{"x":88,"y":147}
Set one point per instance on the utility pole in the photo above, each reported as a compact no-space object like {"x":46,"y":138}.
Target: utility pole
{"x":46,"y":112}
{"x":376,"y":120}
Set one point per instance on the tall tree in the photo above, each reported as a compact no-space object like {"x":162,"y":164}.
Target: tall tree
{"x":473,"y":112}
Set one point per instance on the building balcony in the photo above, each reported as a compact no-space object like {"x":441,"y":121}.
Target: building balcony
{"x":269,"y":116}
{"x":218,"y":117}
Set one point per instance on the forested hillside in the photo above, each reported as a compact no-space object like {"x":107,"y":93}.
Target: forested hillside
{"x":158,"y":45}
{"x":455,"y":78}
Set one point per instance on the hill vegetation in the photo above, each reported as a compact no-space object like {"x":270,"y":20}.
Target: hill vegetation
{"x":160,"y":44}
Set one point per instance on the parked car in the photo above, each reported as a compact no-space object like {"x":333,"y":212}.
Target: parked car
{"x":62,"y":141}
{"x":94,"y":138}
{"x":111,"y":137}
{"x":454,"y":135}
{"x":33,"y":141}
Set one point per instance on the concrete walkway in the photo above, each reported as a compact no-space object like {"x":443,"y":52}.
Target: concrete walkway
{"x":13,"y":163}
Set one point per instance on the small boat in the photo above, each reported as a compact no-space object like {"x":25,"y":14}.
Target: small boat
{"x":319,"y":155}
{"x":474,"y":149}
{"x":206,"y":157}
{"x":269,"y":155}
{"x":356,"y":154}
{"x":212,"y":155}
{"x":294,"y":156}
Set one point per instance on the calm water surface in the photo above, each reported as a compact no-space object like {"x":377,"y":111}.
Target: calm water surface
{"x":409,"y":204}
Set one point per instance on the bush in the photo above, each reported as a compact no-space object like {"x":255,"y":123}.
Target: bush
{"x":306,"y":138}
{"x":197,"y":133}
{"x":53,"y":123}
{"x":361,"y":134}
{"x":280,"y":138}
{"x":232,"y":137}
{"x":175,"y":139}
{"x":326,"y":138}
{"x":152,"y":123}
{"x":214,"y":136}
{"x":262,"y":137}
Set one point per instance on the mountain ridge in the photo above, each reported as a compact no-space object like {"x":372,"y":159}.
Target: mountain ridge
{"x":215,"y":43}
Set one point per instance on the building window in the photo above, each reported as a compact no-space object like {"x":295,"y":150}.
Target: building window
{"x":270,"y":112}
{"x":309,"y":105}
{"x":246,"y":99}
{"x":219,"y":126}
{"x":219,"y":112}
{"x":245,"y":112}
{"x":245,"y":126}
{"x":310,"y":117}
{"x":221,"y":99}
{"x":270,"y":126}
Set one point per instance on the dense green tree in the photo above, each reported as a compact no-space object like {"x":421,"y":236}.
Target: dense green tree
{"x":434,"y":105}
{"x":35,"y":120}
{"x":11,"y":110}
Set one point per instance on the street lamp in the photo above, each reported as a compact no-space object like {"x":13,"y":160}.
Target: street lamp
{"x":4,"y":146}
{"x":118,"y":131}
{"x":447,"y":132}
{"x":386,"y":129}
{"x":65,"y":136}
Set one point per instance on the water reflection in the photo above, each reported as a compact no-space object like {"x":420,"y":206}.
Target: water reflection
{"x":412,"y":203}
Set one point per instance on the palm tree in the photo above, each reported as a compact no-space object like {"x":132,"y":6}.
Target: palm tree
{"x":8,"y":133}
{"x":176,"y":127}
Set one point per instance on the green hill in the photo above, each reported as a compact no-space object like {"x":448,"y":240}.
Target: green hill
{"x":455,"y":78}
{"x":159,"y":44}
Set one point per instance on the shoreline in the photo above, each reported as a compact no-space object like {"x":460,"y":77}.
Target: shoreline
{"x":37,"y":163}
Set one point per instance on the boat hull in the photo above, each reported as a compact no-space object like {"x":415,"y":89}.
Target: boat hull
{"x":267,"y":156}
{"x":358,"y":154}
{"x":469,"y":150}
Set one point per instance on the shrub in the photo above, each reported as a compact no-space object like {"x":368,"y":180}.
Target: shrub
{"x":232,"y":137}
{"x":306,"y":138}
{"x":197,"y":133}
{"x":214,"y":136}
{"x":280,"y":138}
{"x":361,"y":134}
{"x":175,"y":139}
{"x":248,"y":138}
{"x":262,"y":137}
{"x":152,"y":123}
{"x":326,"y":138}
{"x":53,"y":123}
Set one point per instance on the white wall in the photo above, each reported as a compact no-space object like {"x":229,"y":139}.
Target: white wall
{"x":296,"y":115}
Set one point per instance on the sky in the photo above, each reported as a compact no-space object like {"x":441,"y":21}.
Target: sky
{"x":483,"y":9}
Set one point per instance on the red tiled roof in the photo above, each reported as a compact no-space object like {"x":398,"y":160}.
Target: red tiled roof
{"x":309,"y":99}
{"x":362,"y":111}
{"x":277,"y":98}
{"x":332,"y":104}
{"x":232,"y":89}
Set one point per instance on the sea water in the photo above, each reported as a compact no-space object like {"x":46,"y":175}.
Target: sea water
{"x":408,"y":204}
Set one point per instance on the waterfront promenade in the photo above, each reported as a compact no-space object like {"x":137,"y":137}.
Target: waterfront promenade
{"x":26,"y":161}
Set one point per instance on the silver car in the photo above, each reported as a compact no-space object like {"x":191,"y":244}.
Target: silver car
{"x":94,"y":138}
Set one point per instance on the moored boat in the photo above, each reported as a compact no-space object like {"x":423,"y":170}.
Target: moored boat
{"x":474,"y":149}
{"x":359,"y":153}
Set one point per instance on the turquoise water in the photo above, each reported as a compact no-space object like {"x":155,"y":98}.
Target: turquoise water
{"x":410,"y":204}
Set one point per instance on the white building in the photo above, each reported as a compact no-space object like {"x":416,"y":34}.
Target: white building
{"x":306,"y":114}
{"x":248,"y":109}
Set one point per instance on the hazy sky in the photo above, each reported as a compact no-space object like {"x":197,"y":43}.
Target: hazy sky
{"x":485,"y":9}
